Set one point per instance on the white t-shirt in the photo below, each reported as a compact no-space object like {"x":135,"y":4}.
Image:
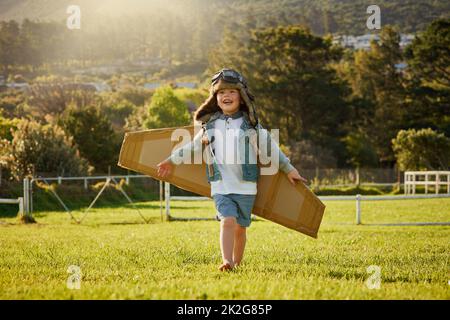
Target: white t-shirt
{"x":225,"y":144}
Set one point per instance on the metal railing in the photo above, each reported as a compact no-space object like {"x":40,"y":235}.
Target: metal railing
{"x":18,"y":201}
{"x":28,"y":192}
{"x":357,"y":198}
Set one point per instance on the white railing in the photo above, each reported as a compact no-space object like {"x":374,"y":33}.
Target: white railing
{"x":357,"y":198}
{"x":168,"y":198}
{"x":18,"y":201}
{"x":426,"y":178}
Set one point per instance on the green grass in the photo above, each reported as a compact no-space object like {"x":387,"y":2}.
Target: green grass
{"x":122,"y":258}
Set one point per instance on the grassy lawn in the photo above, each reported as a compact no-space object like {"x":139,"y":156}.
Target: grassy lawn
{"x":122,"y":258}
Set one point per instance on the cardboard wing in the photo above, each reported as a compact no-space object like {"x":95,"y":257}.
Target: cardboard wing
{"x":297,"y":208}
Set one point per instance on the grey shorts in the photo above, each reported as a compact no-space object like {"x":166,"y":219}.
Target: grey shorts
{"x":235,"y":205}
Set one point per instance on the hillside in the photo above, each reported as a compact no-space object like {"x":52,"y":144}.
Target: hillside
{"x":323,"y":16}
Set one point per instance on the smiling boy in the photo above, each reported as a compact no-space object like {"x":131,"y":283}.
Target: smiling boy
{"x":229,"y":116}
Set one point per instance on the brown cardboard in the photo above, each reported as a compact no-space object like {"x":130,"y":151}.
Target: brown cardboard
{"x":297,"y":208}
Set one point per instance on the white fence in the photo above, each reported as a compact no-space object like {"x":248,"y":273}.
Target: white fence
{"x":26,"y":204}
{"x":18,"y":201}
{"x":435,"y":179}
{"x":357,"y":198}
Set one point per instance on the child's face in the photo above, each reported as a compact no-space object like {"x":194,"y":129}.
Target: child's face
{"x":229,"y":100}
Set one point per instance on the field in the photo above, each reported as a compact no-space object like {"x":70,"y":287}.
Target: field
{"x":119,"y":257}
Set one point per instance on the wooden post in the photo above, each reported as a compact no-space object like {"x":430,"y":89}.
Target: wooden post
{"x":448,"y":183}
{"x":161,"y":199}
{"x":426,"y":183}
{"x":25,"y":195}
{"x":167,"y":196}
{"x":406,"y":184}
{"x":358,"y":209}
{"x":437,"y":183}
{"x":21,"y":206}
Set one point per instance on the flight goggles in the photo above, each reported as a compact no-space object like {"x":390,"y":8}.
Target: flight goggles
{"x":229,"y":76}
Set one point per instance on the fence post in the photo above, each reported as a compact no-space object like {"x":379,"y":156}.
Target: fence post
{"x":25,"y":195}
{"x":30,"y":188}
{"x":448,"y":183}
{"x":21,"y":213}
{"x":161,"y":199}
{"x":26,"y":216}
{"x":358,"y":209}
{"x":437,"y":183}
{"x":167,"y":197}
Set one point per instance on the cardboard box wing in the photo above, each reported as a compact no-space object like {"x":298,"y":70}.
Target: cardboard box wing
{"x":297,"y":208}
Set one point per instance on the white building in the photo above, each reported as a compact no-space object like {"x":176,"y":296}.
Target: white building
{"x":363,"y":42}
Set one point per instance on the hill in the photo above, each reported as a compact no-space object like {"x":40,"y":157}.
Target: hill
{"x":322,"y":16}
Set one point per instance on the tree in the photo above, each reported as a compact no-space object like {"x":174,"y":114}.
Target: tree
{"x":360,"y":150}
{"x":37,"y":148}
{"x":166,"y":110}
{"x":296,"y":90}
{"x":376,"y":79}
{"x":7,"y":126}
{"x":47,"y":101}
{"x":428,"y":59}
{"x":423,"y":149}
{"x":429,"y":54}
{"x":92,"y":135}
{"x":11,"y":51}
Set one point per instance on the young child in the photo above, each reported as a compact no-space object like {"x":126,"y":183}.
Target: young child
{"x":228,"y":116}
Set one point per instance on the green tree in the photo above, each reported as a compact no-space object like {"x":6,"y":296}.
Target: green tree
{"x":423,"y":149}
{"x":10,"y":45}
{"x":376,"y":79}
{"x":166,"y":110}
{"x":93,"y":135}
{"x":7,"y":126}
{"x":48,"y":101}
{"x":296,"y":90}
{"x":428,"y":59}
{"x":37,"y":148}
{"x":360,"y":150}
{"x":429,"y":54}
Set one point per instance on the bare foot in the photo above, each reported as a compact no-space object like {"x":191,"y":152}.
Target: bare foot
{"x":226,"y":266}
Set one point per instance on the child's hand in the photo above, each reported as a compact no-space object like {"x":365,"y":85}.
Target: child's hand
{"x":294,"y":175}
{"x":164,"y":168}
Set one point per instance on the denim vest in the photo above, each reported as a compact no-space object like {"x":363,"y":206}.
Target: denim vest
{"x":248,"y":160}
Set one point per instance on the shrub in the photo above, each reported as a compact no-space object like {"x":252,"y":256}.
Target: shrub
{"x":41,"y":148}
{"x":166,"y":110}
{"x":423,"y":149}
{"x":93,"y":135}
